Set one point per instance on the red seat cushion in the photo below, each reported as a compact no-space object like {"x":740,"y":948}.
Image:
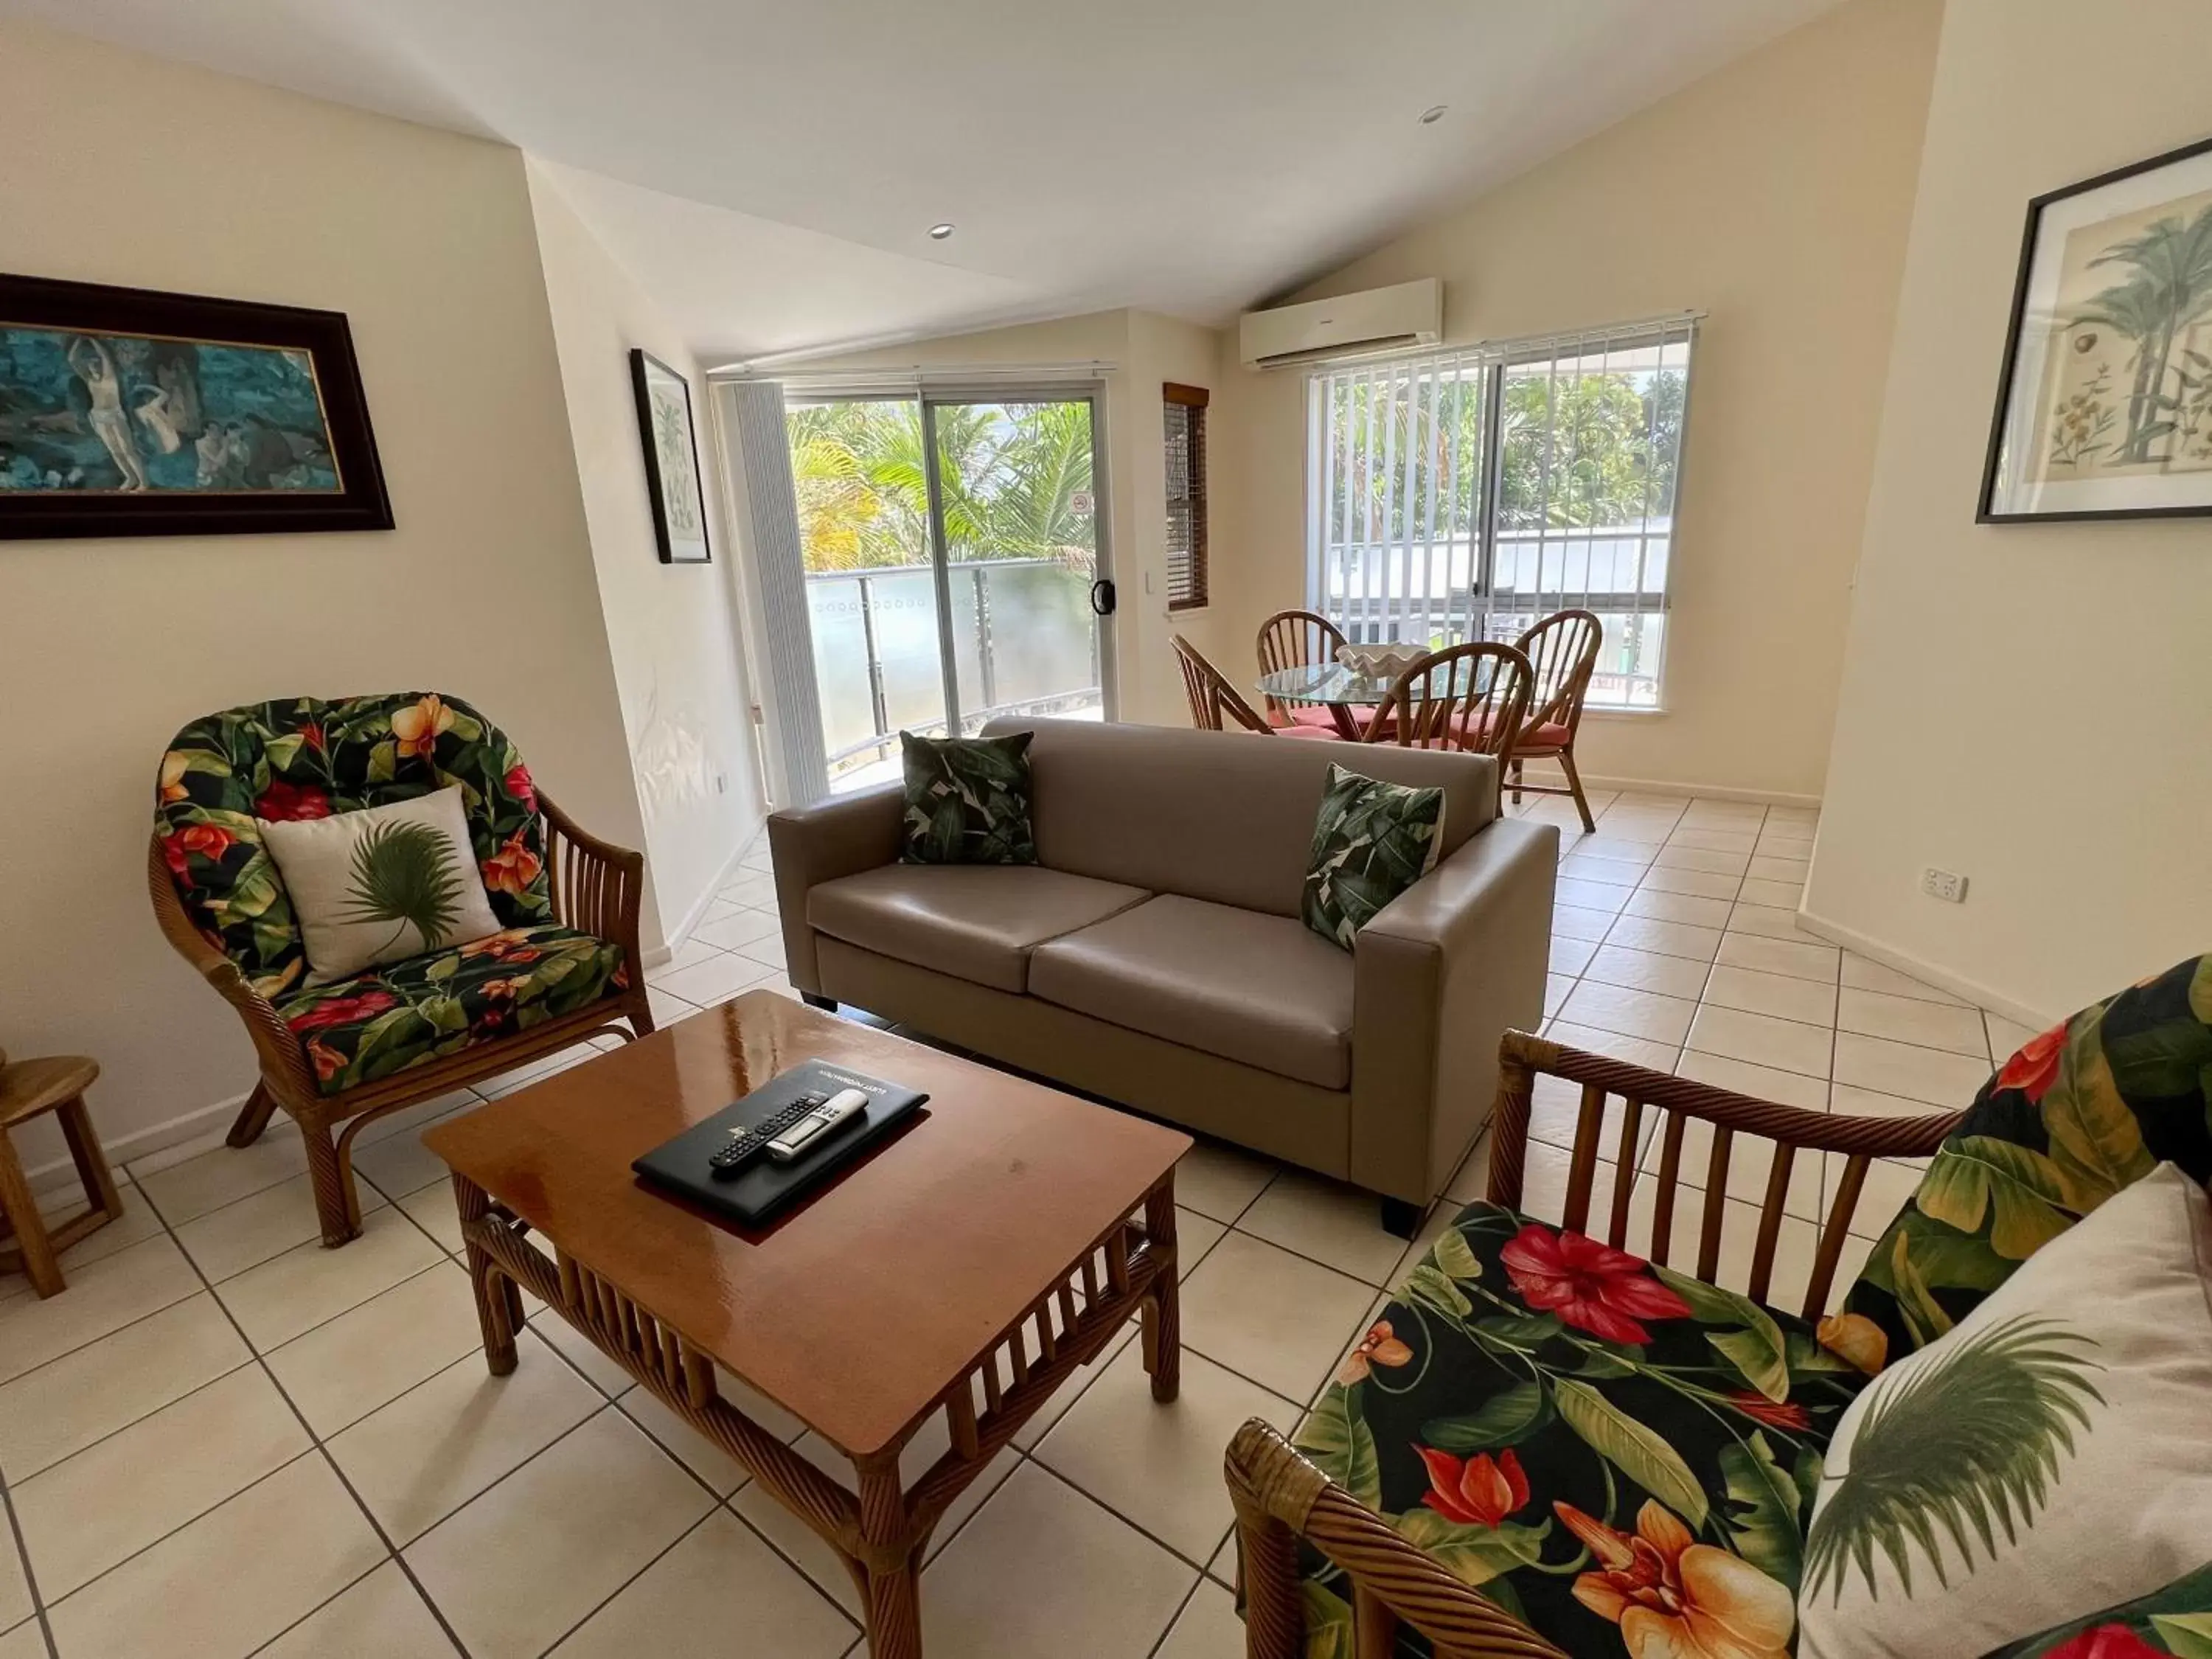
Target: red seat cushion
{"x":1306,"y":713}
{"x":1325,"y":733}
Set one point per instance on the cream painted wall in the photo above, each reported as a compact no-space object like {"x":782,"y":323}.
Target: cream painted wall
{"x":1774,"y":194}
{"x":2021,"y":703}
{"x":672,"y":629}
{"x":1142,"y":351}
{"x":131,"y":170}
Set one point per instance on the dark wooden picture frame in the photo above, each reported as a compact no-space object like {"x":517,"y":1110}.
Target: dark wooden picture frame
{"x":236,"y":456}
{"x":671,"y":533}
{"x":1987,"y":510}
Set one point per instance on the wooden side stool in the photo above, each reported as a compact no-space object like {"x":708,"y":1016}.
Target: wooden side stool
{"x":27,"y":1088}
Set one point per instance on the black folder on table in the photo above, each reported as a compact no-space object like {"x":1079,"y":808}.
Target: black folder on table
{"x":763,"y":1186}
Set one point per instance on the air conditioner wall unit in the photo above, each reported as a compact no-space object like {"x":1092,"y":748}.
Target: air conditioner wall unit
{"x":1378,"y":319}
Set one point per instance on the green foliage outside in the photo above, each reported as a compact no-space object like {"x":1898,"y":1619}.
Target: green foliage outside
{"x":1016,"y":479}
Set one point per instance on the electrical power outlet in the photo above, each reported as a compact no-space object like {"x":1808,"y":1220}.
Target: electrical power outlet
{"x":1945,"y":885}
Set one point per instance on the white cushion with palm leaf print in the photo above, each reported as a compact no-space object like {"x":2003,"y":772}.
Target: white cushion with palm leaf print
{"x":381,"y":885}
{"x":2050,"y":1455}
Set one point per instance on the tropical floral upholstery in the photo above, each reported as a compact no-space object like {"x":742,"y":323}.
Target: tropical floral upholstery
{"x":1623,"y":1456}
{"x":2172,"y":1623}
{"x":304,"y":758}
{"x":2080,"y":1112}
{"x":403,"y":1013}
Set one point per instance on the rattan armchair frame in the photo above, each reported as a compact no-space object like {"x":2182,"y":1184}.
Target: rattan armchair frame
{"x":1281,"y":1499}
{"x":596,"y":887}
{"x":1213,"y":700}
{"x":1295,"y":639}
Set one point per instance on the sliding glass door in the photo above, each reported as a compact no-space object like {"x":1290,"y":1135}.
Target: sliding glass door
{"x":956,"y":562}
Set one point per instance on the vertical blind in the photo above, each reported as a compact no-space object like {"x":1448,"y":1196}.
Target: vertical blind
{"x":1464,"y":494}
{"x":1184,"y":408}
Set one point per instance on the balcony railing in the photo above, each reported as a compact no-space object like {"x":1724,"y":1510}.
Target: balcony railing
{"x":1024,"y":642}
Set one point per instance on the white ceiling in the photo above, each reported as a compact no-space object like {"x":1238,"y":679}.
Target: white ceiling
{"x":768,"y":169}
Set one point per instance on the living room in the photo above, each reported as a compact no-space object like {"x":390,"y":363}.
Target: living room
{"x":293,"y":1379}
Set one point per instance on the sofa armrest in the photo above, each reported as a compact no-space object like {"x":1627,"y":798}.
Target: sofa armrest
{"x":810,"y":845}
{"x":1438,"y":976}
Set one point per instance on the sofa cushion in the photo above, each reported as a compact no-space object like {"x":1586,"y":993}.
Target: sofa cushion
{"x":1619,"y":1455}
{"x":976,"y":922}
{"x":1372,"y":842}
{"x":406,"y":1013}
{"x":967,"y":800}
{"x":1262,"y":990}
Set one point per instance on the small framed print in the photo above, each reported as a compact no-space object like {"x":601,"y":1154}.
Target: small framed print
{"x":2104,"y":406}
{"x":672,"y":460}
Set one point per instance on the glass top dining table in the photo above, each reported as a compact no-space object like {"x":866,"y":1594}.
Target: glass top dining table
{"x":1350,"y":697}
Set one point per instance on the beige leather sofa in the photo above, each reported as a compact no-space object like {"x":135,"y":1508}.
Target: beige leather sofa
{"x":1154,"y":955}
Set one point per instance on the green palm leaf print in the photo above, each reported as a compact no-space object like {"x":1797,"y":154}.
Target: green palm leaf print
{"x":1969,"y":1443}
{"x":405,"y":873}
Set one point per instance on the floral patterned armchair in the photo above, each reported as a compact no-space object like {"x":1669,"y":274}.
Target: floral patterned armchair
{"x":1546,"y":1445}
{"x":564,"y":967}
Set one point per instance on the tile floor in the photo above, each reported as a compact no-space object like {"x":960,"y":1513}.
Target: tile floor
{"x":224,"y":1440}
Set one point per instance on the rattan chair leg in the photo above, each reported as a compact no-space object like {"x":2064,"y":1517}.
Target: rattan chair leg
{"x":254,"y":1117}
{"x":336,"y":1205}
{"x":1575,"y":785}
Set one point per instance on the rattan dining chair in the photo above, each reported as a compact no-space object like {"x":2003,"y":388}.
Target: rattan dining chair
{"x":1470,"y":697}
{"x":1298,"y":639}
{"x":1562,"y":651}
{"x":1218,"y":706}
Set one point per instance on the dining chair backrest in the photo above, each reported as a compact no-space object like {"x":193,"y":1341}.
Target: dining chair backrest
{"x":1562,"y":651}
{"x":1295,"y":639}
{"x":1212,"y":695}
{"x":1468,"y":696}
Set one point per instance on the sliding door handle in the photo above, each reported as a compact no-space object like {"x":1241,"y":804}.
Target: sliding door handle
{"x":1102,"y":596}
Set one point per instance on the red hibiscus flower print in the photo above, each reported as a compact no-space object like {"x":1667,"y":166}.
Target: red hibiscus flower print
{"x":206,"y":840}
{"x":503,"y":947}
{"x":2035,"y":1067}
{"x":1480,"y":1492}
{"x":518,"y":784}
{"x":513,"y":867}
{"x":2106,"y":1642}
{"x":1784,"y":1414}
{"x":312,"y":735}
{"x":1591,"y":1286}
{"x":342,"y":1010}
{"x":282,"y":802}
{"x":1380,"y":1347}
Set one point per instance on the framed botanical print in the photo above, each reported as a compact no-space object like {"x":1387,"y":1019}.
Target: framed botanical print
{"x":129,"y":412}
{"x":2104,"y":406}
{"x":672,"y":460}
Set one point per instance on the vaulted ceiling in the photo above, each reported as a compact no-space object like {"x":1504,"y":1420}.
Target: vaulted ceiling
{"x":770,"y":168}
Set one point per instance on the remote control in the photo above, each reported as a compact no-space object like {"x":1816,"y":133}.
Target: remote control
{"x":846,"y":1106}
{"x":745,"y":1145}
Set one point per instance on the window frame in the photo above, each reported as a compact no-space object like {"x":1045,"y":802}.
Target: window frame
{"x":1193,"y":400}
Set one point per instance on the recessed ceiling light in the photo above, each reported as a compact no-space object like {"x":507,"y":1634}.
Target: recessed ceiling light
{"x":938,"y":233}
{"x":1432,"y":114}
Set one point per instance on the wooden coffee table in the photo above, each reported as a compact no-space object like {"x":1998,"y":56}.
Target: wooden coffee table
{"x":966,"y":1266}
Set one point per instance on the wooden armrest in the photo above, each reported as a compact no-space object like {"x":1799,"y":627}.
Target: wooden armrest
{"x":597,"y":886}
{"x":1790,"y":1130}
{"x":275,"y":1046}
{"x":1280,"y":1498}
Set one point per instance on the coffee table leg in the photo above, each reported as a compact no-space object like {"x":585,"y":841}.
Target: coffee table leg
{"x":894,"y":1588}
{"x":1162,"y":1312}
{"x":496,"y":1299}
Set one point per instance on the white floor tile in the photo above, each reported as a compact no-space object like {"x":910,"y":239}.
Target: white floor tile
{"x":716,"y":979}
{"x":1755,"y":992}
{"x":1061,"y":1403}
{"x":299,"y":1290}
{"x":1677,"y":855}
{"x":100,"y":1299}
{"x":1568,"y":922}
{"x":1618,"y":848}
{"x":382,"y":1617}
{"x":752,"y":889}
{"x":62,"y":1407}
{"x":1861,"y":973}
{"x":690,"y":1603}
{"x":1614,"y":872}
{"x":1647,"y":970}
{"x":1718,"y":841}
{"x":1003,"y":1589}
{"x":403,"y":1164}
{"x":723,"y":1473}
{"x":1569,"y":957}
{"x":1800,"y":959}
{"x":1269,"y":1315}
{"x":1159,"y":1465}
{"x":136,"y":1224}
{"x":1207,"y":1628}
{"x":1674,"y":939}
{"x":1768,"y":1083}
{"x":1637,"y":1051}
{"x":1781,"y":895}
{"x":579,"y":1351}
{"x":26,"y":1641}
{"x":187,"y":1190}
{"x":666,"y":1009}
{"x":2007,"y":1037}
{"x":419,"y":1458}
{"x":232,"y":1580}
{"x":1221,"y":1180}
{"x":1906,"y":1019}
{"x":1698,"y":912}
{"x":1762,"y":1040}
{"x":225,"y":1243}
{"x":15,"y":1605}
{"x":1627,"y":1013}
{"x":740,"y":928}
{"x":1770,"y":921}
{"x":432,"y":1210}
{"x":1591,"y":895}
{"x":768,"y":950}
{"x":690,"y":953}
{"x":1556,"y":987}
{"x":529,"y":1559}
{"x":1336,"y":1225}
{"x":339,"y":1372}
{"x":178,"y":1463}
{"x":1848,"y":1100}
{"x":1949,"y":1081}
{"x":1765,"y":868}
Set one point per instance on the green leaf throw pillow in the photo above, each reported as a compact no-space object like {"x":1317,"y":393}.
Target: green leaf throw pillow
{"x":967,"y":800}
{"x":381,"y":885}
{"x":1372,"y":842}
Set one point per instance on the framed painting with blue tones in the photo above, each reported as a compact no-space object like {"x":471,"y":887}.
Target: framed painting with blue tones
{"x":128,"y":412}
{"x":672,"y":460}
